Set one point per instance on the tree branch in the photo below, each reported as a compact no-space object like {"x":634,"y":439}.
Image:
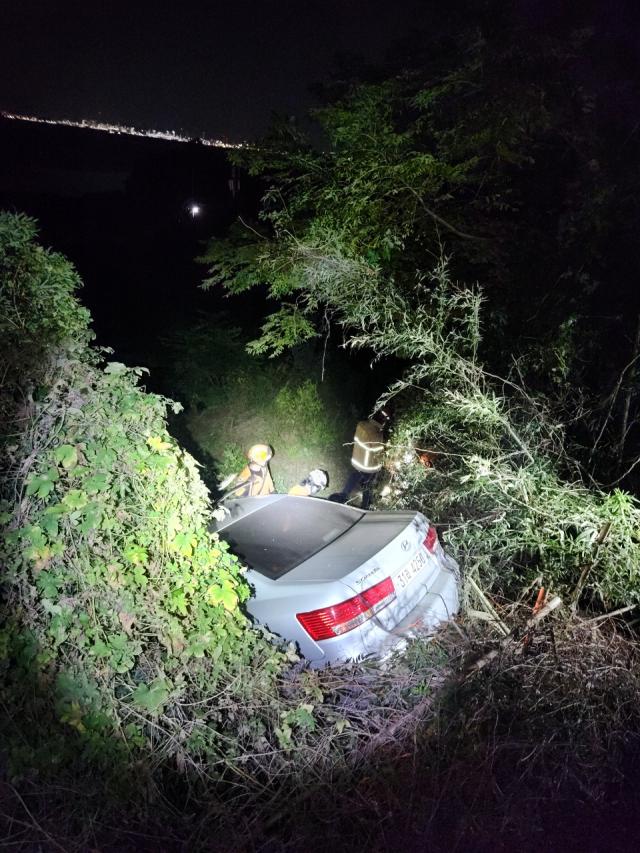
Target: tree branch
{"x":442,"y":221}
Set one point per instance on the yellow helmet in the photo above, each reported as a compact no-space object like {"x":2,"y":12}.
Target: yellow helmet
{"x":260,"y":454}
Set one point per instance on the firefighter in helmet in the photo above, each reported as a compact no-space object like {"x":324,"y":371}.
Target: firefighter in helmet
{"x":255,"y":478}
{"x":314,"y":482}
{"x":366,"y":458}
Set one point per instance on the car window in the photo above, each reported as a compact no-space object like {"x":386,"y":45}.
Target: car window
{"x":281,"y":535}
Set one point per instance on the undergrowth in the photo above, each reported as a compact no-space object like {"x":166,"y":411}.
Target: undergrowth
{"x":513,"y":502}
{"x":527,"y":743}
{"x":141,"y":710}
{"x":234,"y":400}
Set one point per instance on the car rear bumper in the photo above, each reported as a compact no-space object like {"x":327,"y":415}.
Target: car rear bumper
{"x":438,"y":605}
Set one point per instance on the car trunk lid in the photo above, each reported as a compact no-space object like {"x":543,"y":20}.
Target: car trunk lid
{"x":358,"y":547}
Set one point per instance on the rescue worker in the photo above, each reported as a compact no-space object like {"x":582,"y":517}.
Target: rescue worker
{"x":314,"y":482}
{"x":255,"y":478}
{"x":366,"y":458}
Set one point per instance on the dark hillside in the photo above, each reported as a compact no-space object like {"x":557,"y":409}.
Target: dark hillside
{"x":118,"y":207}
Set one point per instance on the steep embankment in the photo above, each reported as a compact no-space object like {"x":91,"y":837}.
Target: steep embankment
{"x":140,"y":710}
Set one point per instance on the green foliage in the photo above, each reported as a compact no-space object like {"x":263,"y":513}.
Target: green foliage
{"x":235,"y":399}
{"x":108,"y":562}
{"x":300,"y":407}
{"x":487,"y":147}
{"x":513,"y":502}
{"x":241,"y":251}
{"x":38,"y":306}
{"x":38,"y":289}
{"x":233,"y":458}
{"x":286,"y":328}
{"x":109,"y":556}
{"x":451,"y":147}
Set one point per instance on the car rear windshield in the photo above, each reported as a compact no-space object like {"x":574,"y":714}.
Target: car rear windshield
{"x":277,"y":538}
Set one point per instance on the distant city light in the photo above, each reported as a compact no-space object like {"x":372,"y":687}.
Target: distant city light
{"x":168,"y":135}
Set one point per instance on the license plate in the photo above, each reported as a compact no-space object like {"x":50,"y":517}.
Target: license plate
{"x":408,"y":572}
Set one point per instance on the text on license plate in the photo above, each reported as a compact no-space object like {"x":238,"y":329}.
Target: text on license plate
{"x":407,"y":573}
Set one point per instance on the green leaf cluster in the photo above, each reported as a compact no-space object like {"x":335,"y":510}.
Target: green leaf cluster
{"x":39,"y":310}
{"x":490,"y":149}
{"x":108,"y":562}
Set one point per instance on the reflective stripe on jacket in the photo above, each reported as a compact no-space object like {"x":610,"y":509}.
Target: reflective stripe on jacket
{"x":368,"y":447}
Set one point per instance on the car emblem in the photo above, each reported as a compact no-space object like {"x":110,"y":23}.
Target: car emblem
{"x":406,"y":545}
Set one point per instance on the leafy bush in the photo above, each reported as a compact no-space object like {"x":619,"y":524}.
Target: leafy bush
{"x":111,"y":578}
{"x":302,"y":410}
{"x":513,"y":501}
{"x":38,"y":306}
{"x":109,"y":565}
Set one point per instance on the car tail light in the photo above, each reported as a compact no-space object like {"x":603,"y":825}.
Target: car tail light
{"x":339,"y":618}
{"x":431,"y":539}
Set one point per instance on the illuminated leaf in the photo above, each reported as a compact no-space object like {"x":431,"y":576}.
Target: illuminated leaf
{"x":115,"y":368}
{"x":34,"y":535}
{"x":50,"y":524}
{"x":136,"y":554}
{"x":173,"y":525}
{"x":42,"y":484}
{"x":152,"y":697}
{"x":48,"y":584}
{"x":92,"y":517}
{"x":223,"y":594}
{"x":100,"y":649}
{"x":140,"y":576}
{"x":156,"y":443}
{"x":179,"y":601}
{"x":50,"y":519}
{"x":66,"y":455}
{"x":96,"y":483}
{"x":303,"y":717}
{"x":75,"y":499}
{"x":184,"y":543}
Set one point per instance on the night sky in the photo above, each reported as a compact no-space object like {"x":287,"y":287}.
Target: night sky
{"x":215,"y":68}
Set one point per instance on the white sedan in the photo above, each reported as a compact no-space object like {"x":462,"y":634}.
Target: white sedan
{"x":341,"y":582}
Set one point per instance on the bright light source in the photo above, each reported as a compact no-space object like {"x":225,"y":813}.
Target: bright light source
{"x":194,"y":210}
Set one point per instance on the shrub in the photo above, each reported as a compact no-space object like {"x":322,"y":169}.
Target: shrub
{"x":514,"y":503}
{"x":128,"y":606}
{"x":38,"y":306}
{"x":235,"y":400}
